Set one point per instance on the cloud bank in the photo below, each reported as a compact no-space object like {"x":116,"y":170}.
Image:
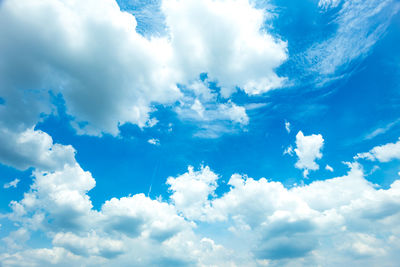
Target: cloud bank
{"x":261,"y":222}
{"x":109,"y":74}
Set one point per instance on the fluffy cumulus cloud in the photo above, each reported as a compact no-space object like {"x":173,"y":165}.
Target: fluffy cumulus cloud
{"x":90,"y":52}
{"x":58,"y":205}
{"x":33,"y":148}
{"x":308,"y":149}
{"x":383,"y":153}
{"x":224,"y":39}
{"x":59,"y":197}
{"x":261,"y":222}
{"x":109,"y":74}
{"x":190,"y":191}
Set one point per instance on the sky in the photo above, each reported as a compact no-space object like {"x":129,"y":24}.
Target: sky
{"x":199,"y":133}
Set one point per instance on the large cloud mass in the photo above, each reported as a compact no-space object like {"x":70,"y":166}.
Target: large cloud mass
{"x":336,"y":221}
{"x":109,"y":74}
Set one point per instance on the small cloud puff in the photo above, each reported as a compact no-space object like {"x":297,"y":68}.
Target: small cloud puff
{"x":328,"y":168}
{"x":154,"y":141}
{"x":308,"y":149}
{"x":288,"y":151}
{"x":287,"y":126}
{"x":13,"y":183}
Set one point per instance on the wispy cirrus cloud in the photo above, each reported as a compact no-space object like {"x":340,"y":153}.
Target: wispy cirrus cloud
{"x":382,"y":130}
{"x":359,"y":26}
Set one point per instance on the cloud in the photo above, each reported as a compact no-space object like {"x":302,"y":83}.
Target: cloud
{"x":154,"y":141}
{"x":40,"y":257}
{"x":383,"y":153}
{"x":190,"y":191}
{"x":212,"y":119}
{"x":308,"y":149}
{"x":13,"y":183}
{"x":212,"y":114}
{"x":91,"y":244}
{"x":326,"y":4}
{"x":109,"y":74}
{"x":328,"y":168}
{"x":225,"y":39}
{"x":287,"y":126}
{"x":33,"y":148}
{"x":140,"y":216}
{"x":260,"y":221}
{"x":17,"y":239}
{"x":284,"y":224}
{"x":288,"y":151}
{"x":58,"y":196}
{"x":220,"y":112}
{"x":103,"y":81}
{"x":360,"y":24}
{"x":382,"y":130}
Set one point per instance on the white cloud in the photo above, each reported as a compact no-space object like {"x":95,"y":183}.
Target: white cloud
{"x":191,"y":190}
{"x":151,"y":230}
{"x":308,"y":149}
{"x":294,"y":225}
{"x":90,"y":244}
{"x":154,"y":141}
{"x":336,"y":221}
{"x":328,"y":168}
{"x":326,"y":4}
{"x":382,"y":130}
{"x":213,"y":119}
{"x":109,"y":74}
{"x":224,"y":39}
{"x":140,"y":216}
{"x":13,"y":183}
{"x":33,"y":148}
{"x":40,"y":257}
{"x":383,"y":153}
{"x":104,"y":81}
{"x":287,"y":126}
{"x":288,"y":151}
{"x":17,"y":238}
{"x":59,"y":197}
{"x":360,"y":24}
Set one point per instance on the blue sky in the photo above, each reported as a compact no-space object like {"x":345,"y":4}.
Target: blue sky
{"x":288,"y":112}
